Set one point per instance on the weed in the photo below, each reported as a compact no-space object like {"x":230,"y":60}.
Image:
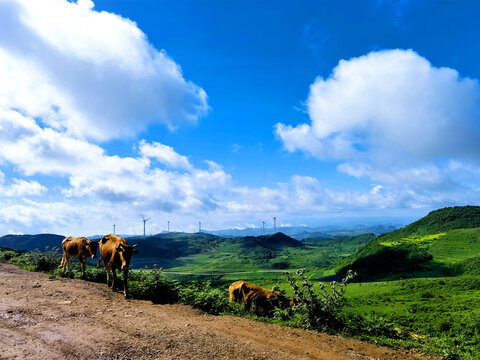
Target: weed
{"x":317,"y":310}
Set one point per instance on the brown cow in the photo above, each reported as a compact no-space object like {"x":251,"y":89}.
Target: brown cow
{"x":260,"y":299}
{"x":79,"y":247}
{"x":116,"y":254}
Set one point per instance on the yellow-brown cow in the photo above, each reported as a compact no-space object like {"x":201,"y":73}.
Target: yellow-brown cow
{"x":79,"y":247}
{"x":116,"y":254}
{"x":259,"y":299}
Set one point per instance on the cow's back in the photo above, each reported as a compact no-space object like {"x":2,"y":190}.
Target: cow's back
{"x":108,"y":245}
{"x":235,"y":291}
{"x":74,"y":246}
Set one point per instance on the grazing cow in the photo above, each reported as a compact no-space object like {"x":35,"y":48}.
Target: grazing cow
{"x":116,"y":254}
{"x":79,"y":247}
{"x":261,"y":300}
{"x":235,"y":291}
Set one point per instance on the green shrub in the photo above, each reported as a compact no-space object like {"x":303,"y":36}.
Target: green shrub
{"x":205,"y":297}
{"x":7,"y":255}
{"x":95,"y":275}
{"x":46,"y":261}
{"x":317,"y":310}
{"x":152,"y":286}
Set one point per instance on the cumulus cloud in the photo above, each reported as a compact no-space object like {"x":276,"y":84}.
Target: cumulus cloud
{"x":389,"y":107}
{"x":164,"y":154}
{"x":20,"y":187}
{"x":92,"y":173}
{"x":92,"y":74}
{"x":393,"y":118}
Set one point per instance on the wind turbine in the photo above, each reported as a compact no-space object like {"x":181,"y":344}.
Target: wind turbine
{"x":274,"y":225}
{"x":263,"y":228}
{"x":144,"y":221}
{"x":114,"y":229}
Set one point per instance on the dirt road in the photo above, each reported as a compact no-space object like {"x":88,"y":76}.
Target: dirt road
{"x":43,"y":318}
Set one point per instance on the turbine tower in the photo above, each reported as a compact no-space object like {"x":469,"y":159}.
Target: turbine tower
{"x":263,"y":228}
{"x":144,"y":221}
{"x":168,"y":226}
{"x":274,"y":225}
{"x":199,"y":226}
{"x":114,"y":229}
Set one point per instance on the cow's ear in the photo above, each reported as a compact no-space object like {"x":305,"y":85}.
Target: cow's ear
{"x":119,"y":249}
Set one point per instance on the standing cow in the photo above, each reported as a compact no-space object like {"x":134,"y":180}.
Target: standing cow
{"x":79,"y":247}
{"x":116,"y":254}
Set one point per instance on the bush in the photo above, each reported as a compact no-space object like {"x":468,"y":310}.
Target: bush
{"x":203,"y":296}
{"x":153,"y":286}
{"x":319,"y":311}
{"x":7,"y":255}
{"x":46,"y":261}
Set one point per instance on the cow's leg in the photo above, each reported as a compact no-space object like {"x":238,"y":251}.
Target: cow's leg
{"x":63,"y":261}
{"x":99,"y":260}
{"x":107,"y":270}
{"x":68,"y":262}
{"x":82,"y":263}
{"x":114,"y":278}
{"x":125,"y":276}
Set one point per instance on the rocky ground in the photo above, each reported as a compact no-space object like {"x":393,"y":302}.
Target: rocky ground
{"x":44,"y":318}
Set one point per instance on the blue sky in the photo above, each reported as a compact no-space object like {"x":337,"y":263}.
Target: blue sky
{"x":233,"y":113}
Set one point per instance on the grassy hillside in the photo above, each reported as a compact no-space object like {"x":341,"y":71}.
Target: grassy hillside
{"x":254,"y":257}
{"x":263,"y":259}
{"x":443,"y":243}
{"x":439,"y":315}
{"x":31,"y":242}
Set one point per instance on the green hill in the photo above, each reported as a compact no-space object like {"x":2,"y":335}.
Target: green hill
{"x":202,"y":253}
{"x":443,"y":243}
{"x":31,"y":242}
{"x":268,"y":254}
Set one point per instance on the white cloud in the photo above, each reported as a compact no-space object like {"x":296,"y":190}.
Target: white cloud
{"x":93,"y":74}
{"x":20,"y":187}
{"x":114,"y":179}
{"x":164,"y":154}
{"x":389,"y":107}
{"x":393,"y":118}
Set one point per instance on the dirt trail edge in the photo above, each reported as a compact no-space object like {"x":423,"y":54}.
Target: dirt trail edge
{"x":43,"y":319}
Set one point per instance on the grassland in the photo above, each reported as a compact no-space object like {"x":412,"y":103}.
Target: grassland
{"x":436,"y":315}
{"x":420,"y":289}
{"x":430,"y":247}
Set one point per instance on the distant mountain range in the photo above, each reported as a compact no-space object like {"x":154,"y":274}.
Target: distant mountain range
{"x":302,"y":232}
{"x":208,"y":253}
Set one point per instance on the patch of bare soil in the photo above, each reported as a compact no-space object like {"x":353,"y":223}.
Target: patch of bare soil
{"x":43,"y":318}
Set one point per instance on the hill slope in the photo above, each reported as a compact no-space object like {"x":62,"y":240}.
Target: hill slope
{"x":31,"y":242}
{"x":445,"y":242}
{"x":206,"y":253}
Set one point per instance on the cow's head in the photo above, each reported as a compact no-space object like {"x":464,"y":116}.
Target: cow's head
{"x":92,"y":248}
{"x":281,"y":301}
{"x":125,"y":252}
